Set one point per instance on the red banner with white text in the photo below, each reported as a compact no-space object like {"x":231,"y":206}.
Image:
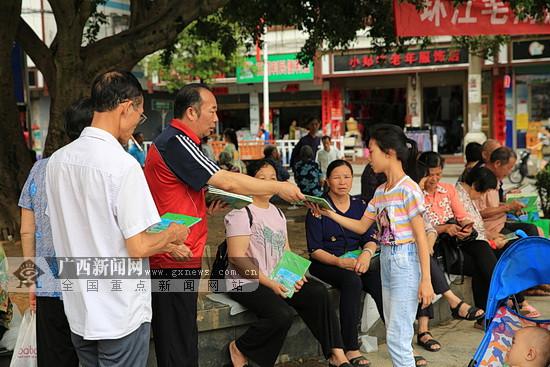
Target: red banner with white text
{"x":470,"y":18}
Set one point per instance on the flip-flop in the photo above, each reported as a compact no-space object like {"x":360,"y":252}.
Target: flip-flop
{"x":356,"y":362}
{"x":530,"y":312}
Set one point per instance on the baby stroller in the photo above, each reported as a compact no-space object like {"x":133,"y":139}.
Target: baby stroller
{"x":524,"y":265}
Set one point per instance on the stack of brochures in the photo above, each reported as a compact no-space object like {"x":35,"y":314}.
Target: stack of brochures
{"x":290,"y":269}
{"x":168,"y":218}
{"x":235,"y":201}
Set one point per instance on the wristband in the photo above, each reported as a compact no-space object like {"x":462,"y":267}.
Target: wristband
{"x":492,"y":244}
{"x":366,"y":249}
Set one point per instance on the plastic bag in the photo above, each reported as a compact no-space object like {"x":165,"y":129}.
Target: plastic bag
{"x":10,"y":336}
{"x":25,"y":353}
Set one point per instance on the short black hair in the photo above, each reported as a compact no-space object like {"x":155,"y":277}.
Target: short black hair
{"x":257,"y":165}
{"x":473,"y":152}
{"x":311,"y":120}
{"x":113,"y":87}
{"x":306,"y":153}
{"x":502,"y":155}
{"x":338,"y":163}
{"x":431,"y":160}
{"x":326,"y":137}
{"x":269,"y":150}
{"x":78,"y":116}
{"x":137,"y":134}
{"x":481,"y":179}
{"x":189,"y":96}
{"x":421,"y":171}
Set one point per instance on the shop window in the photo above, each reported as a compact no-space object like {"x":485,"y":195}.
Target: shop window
{"x":540,"y":101}
{"x":374,"y":106}
{"x":443,"y":111}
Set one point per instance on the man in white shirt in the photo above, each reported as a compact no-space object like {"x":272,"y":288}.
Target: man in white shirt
{"x":100,"y":206}
{"x":326,"y":155}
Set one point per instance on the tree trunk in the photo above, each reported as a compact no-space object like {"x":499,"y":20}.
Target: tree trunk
{"x":71,"y":86}
{"x":15,"y":158}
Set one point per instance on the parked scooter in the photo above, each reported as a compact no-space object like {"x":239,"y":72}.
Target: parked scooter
{"x":526,"y":166}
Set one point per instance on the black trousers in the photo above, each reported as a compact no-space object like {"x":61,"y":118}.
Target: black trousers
{"x":263,"y":340}
{"x":479,"y":263}
{"x":53,"y":335}
{"x":351,"y":286}
{"x":439,"y":284}
{"x":174,"y":326}
{"x":528,"y":228}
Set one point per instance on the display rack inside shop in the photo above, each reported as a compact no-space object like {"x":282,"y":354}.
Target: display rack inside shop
{"x":422,"y":136}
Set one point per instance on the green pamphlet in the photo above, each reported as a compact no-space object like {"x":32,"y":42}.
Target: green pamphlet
{"x":168,"y":218}
{"x":290,"y":269}
{"x":235,"y":201}
{"x":529,"y":200}
{"x":322,"y":202}
{"x":355,"y":254}
{"x":511,"y":236}
{"x":352,"y":254}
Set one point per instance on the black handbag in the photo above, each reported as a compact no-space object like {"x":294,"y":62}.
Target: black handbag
{"x":448,"y":252}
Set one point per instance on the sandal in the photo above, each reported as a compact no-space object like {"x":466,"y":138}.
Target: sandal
{"x":420,"y":359}
{"x":428,"y":344}
{"x":470,"y":314}
{"x":529,"y":311}
{"x":356,"y":362}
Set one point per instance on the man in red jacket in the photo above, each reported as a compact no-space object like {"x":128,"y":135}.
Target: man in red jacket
{"x":177,"y":172}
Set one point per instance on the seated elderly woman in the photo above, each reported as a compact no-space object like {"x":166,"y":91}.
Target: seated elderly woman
{"x":258,"y":234}
{"x":327,"y":242}
{"x":459,"y":308}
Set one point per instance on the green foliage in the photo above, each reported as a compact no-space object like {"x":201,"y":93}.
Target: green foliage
{"x":483,"y":46}
{"x":94,"y":23}
{"x":542,"y":184}
{"x":206,"y":48}
{"x":329,"y":24}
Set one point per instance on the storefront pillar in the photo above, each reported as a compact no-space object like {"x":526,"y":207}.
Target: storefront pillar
{"x":414,"y":101}
{"x":254,"y":112}
{"x":475,"y":133}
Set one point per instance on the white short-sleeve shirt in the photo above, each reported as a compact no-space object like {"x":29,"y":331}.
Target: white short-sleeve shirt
{"x":97,"y":198}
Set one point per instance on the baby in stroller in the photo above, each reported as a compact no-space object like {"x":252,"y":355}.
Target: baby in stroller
{"x":530,"y":348}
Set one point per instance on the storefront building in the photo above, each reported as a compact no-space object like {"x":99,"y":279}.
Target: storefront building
{"x":418,"y":89}
{"x":528,"y":92}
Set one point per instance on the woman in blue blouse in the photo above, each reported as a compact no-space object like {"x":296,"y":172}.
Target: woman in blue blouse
{"x":327,"y":241}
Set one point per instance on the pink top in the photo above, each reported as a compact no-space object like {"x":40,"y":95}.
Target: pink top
{"x":444,"y":204}
{"x":268,"y":236}
{"x":494,"y":224}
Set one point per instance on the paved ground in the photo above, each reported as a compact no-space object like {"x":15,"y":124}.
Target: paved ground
{"x":459,"y":342}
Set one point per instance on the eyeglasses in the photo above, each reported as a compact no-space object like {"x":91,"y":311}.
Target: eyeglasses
{"x":142,"y":117}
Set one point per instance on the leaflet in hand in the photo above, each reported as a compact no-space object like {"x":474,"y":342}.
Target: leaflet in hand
{"x":321,"y":202}
{"x":355,"y":254}
{"x":351,"y":254}
{"x":235,"y":201}
{"x":290,"y":269}
{"x":528,"y":200}
{"x":168,"y":218}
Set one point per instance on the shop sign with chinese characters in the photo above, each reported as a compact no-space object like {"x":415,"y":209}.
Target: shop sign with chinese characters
{"x":469,"y":18}
{"x":418,"y":58}
{"x":282,"y":68}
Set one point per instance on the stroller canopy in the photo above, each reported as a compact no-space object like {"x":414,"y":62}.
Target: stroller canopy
{"x":524,"y":265}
